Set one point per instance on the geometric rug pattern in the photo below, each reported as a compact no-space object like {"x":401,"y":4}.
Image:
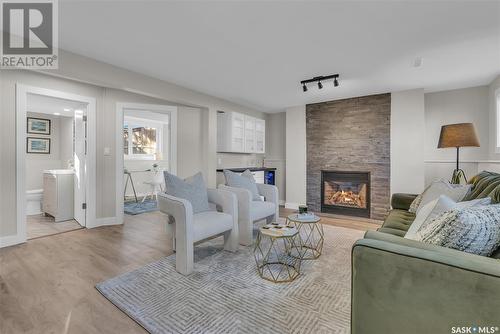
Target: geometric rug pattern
{"x":226,"y":295}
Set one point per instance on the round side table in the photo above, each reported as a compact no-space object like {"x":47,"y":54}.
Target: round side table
{"x":277,"y":253}
{"x":310,"y":232}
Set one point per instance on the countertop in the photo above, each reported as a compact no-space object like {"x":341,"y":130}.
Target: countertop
{"x":252,"y":169}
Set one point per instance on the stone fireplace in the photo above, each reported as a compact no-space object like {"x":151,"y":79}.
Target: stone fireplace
{"x":345,"y":193}
{"x":348,"y":156}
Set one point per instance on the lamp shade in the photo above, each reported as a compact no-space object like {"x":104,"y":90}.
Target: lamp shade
{"x":458,"y":135}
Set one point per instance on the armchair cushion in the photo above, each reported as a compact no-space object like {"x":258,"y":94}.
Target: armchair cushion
{"x":260,"y":209}
{"x":210,"y":223}
{"x":192,"y":189}
{"x":245,"y":181}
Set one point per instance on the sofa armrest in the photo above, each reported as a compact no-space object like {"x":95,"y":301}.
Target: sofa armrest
{"x":398,"y":286}
{"x":182,"y":212}
{"x":243,"y":196}
{"x":402,"y":201}
{"x":269,"y":192}
{"x":227,"y":201}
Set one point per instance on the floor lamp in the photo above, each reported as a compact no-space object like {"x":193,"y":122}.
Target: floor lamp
{"x":458,"y":135}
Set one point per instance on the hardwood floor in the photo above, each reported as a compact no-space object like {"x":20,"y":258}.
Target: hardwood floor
{"x":47,"y":284}
{"x":41,"y":226}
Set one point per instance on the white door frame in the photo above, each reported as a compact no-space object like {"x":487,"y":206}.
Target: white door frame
{"x":22,"y":92}
{"x":120,"y":107}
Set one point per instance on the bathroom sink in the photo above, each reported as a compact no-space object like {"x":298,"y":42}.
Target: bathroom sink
{"x":59,"y":171}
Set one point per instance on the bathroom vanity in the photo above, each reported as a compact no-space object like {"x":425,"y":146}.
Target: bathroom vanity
{"x":58,"y":200}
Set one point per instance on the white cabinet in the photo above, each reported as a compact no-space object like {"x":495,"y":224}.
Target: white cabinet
{"x":58,"y":194}
{"x":240,"y":133}
{"x":260,"y":136}
{"x":249,"y":134}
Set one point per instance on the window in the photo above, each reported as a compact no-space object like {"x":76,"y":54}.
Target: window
{"x":142,"y":138}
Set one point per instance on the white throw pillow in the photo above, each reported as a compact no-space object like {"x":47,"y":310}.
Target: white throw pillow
{"x":474,"y":202}
{"x":454,"y":191}
{"x":428,"y":212}
{"x":435,"y":208}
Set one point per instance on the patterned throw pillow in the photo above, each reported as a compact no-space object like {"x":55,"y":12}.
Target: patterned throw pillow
{"x":192,"y":189}
{"x":433,"y":209}
{"x":415,"y":204}
{"x":473,"y":230}
{"x":244,"y":180}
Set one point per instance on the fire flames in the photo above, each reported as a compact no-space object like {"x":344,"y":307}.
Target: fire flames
{"x":347,"y":198}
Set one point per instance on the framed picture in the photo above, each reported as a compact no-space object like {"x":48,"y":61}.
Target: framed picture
{"x":40,"y":126}
{"x":38,"y":145}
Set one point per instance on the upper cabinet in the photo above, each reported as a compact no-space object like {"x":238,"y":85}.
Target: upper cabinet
{"x":238,"y":133}
{"x":260,"y":136}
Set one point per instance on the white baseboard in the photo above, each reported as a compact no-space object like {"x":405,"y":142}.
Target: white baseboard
{"x":294,"y":206}
{"x":11,"y":240}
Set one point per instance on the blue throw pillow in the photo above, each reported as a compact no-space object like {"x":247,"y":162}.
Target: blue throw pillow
{"x":244,"y":180}
{"x":192,"y":189}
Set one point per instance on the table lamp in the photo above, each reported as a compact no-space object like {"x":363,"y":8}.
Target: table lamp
{"x":458,"y":135}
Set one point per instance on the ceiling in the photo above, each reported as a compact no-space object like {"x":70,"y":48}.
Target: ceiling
{"x":256,"y":53}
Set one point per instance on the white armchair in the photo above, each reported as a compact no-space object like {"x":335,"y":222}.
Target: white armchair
{"x":190,"y":228}
{"x":250,"y":211}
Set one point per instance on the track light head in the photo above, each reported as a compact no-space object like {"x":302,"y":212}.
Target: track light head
{"x":319,"y":80}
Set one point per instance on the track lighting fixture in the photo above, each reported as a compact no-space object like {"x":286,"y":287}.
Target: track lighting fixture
{"x":319,"y":79}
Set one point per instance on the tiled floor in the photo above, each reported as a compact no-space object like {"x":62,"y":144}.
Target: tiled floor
{"x":39,"y":226}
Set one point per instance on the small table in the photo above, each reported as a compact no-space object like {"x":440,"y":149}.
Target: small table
{"x":129,"y":177}
{"x":311,"y":234}
{"x":277,"y":253}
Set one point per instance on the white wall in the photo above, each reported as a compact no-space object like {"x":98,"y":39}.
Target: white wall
{"x":61,"y":150}
{"x":407,"y":137}
{"x":276,"y":150}
{"x":107,"y":84}
{"x":295,"y":156}
{"x":468,"y":105}
{"x":493,"y":90}
{"x":190,"y":142}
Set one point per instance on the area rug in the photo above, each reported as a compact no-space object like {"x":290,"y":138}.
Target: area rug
{"x":226,"y":295}
{"x":133,"y":208}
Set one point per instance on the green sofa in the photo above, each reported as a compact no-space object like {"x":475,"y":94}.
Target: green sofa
{"x":405,"y":286}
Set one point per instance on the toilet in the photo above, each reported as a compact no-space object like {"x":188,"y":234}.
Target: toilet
{"x":34,"y":202}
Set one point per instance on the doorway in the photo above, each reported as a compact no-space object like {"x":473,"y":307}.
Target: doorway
{"x":55,"y":161}
{"x":146,"y":146}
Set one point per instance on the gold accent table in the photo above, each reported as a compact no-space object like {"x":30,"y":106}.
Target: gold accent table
{"x":311,"y":234}
{"x":277,"y":253}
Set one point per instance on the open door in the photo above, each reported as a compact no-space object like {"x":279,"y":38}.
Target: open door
{"x":80,"y":163}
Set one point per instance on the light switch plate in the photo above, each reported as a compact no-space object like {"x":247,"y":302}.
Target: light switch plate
{"x":107,"y":151}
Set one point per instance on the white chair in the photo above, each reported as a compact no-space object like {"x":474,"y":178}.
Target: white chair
{"x":190,"y":228}
{"x":250,"y":211}
{"x":156,"y":185}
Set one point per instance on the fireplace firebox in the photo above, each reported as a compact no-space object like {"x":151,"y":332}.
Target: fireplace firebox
{"x":345,"y":193}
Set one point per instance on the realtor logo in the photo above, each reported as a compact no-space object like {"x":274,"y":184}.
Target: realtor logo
{"x":29,"y":38}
